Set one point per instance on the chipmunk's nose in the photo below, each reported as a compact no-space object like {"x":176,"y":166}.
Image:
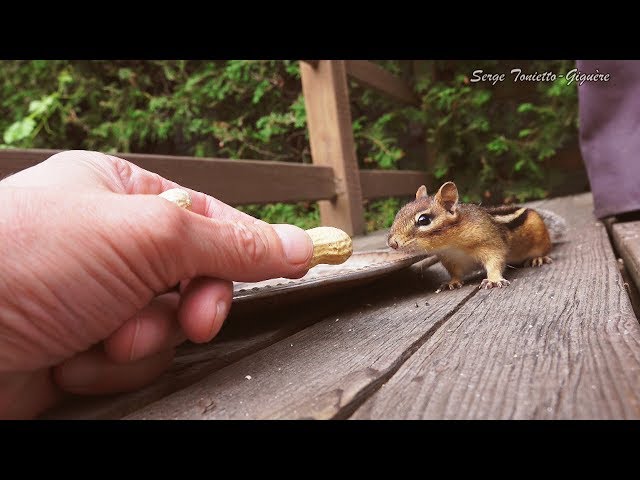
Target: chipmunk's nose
{"x":392,"y":242}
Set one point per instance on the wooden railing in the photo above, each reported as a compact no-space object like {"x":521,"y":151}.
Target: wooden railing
{"x":333,"y":180}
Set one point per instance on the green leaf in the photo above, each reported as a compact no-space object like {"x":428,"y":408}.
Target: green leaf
{"x":525,"y":107}
{"x":440,"y":171}
{"x":259,"y":92}
{"x":498,"y":145}
{"x":19,"y":130}
{"x":479,"y":123}
{"x":158,"y":103}
{"x":125,"y":73}
{"x":293,"y":68}
{"x":525,"y":132}
{"x":546,"y":152}
{"x":481,"y":97}
{"x":38,"y":107}
{"x":299,"y":112}
{"x":199,"y":150}
{"x":64,"y":78}
{"x":560,"y":88}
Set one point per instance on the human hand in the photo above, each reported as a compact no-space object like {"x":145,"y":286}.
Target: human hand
{"x":87,"y":250}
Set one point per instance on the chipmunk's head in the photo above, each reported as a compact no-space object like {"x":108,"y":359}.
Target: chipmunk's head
{"x":423,"y":224}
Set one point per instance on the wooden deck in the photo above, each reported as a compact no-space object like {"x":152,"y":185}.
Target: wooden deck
{"x":562,"y":342}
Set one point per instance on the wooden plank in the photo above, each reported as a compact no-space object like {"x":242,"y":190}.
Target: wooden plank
{"x":630,"y":286}
{"x":323,"y":370}
{"x":243,"y":334}
{"x":626,"y":236}
{"x":376,"y":77}
{"x":235,"y":182}
{"x":560,"y":343}
{"x":326,"y":99}
{"x":391,"y":183}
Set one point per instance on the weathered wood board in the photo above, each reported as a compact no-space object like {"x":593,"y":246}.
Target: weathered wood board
{"x":326,"y":369}
{"x":561,"y":342}
{"x":627,"y":240}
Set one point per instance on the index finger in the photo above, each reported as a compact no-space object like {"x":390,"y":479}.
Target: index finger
{"x":137,"y":180}
{"x":85,"y":169}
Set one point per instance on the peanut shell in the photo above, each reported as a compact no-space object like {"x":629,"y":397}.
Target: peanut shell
{"x":178,"y":196}
{"x":330,"y":245}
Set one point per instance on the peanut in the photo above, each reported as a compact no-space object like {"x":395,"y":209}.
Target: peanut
{"x":330,"y":245}
{"x":178,"y":196}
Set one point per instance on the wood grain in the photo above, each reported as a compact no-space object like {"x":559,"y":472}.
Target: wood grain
{"x":235,"y":182}
{"x":323,"y":370}
{"x":376,"y":77}
{"x":560,"y":343}
{"x":391,"y":183}
{"x":326,"y":99}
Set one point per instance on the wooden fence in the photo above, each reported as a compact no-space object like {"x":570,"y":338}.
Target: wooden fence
{"x":334,"y":179}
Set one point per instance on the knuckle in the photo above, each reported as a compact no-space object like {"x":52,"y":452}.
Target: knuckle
{"x":77,"y":156}
{"x":165,"y":231}
{"x":250,"y":243}
{"x":167,"y":224}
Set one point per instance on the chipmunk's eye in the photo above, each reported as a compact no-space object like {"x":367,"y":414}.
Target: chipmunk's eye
{"x":423,"y":220}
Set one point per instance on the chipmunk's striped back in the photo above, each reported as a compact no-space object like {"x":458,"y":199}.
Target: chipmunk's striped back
{"x":513,"y":216}
{"x":510,"y":216}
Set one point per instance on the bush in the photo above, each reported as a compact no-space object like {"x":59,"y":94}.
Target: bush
{"x":492,"y":140}
{"x":495,"y":140}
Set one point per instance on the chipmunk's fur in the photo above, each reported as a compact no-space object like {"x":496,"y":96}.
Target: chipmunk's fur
{"x":465,"y":236}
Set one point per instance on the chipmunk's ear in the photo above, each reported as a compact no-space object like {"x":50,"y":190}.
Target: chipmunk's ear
{"x":447,"y":196}
{"x":421,"y":193}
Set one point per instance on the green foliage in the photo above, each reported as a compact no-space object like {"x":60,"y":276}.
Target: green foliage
{"x":495,"y":141}
{"x":224,"y":108}
{"x":380,"y":213}
{"x":303,"y":214}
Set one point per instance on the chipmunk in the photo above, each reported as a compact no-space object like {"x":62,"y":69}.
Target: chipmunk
{"x":465,"y":236}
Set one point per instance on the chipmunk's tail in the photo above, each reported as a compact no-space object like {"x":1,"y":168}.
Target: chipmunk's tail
{"x":556,"y":224}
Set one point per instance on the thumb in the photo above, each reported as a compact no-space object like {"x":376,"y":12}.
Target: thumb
{"x":227,"y":249}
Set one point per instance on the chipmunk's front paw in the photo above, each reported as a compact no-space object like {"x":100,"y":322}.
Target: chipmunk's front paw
{"x":537,"y":261}
{"x":486,"y":283}
{"x":453,"y":284}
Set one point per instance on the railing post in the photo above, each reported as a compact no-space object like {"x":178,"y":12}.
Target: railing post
{"x":326,"y":97}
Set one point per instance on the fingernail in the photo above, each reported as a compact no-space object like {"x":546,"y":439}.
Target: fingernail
{"x":296,"y":244}
{"x":78,"y":374}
